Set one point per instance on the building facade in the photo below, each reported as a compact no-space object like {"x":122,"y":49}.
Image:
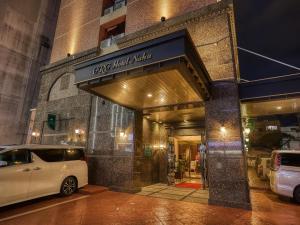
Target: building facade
{"x":26,"y":34}
{"x":129,"y":79}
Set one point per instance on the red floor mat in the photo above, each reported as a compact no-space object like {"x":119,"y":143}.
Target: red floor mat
{"x":189,"y":185}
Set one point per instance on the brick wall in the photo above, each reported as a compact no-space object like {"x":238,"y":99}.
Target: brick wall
{"x":77,"y":27}
{"x":144,"y":13}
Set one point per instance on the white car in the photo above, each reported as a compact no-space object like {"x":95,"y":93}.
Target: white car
{"x":32,"y":171}
{"x":285,"y":173}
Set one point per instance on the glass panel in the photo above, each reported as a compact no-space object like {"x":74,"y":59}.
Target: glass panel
{"x":74,"y":154}
{"x":15,"y":157}
{"x":290,"y":159}
{"x":51,"y":155}
{"x":111,"y":128}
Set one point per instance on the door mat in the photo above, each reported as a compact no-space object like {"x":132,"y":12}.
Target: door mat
{"x":189,"y":185}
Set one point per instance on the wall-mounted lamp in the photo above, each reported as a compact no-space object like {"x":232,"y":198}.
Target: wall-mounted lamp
{"x":122,"y":134}
{"x":162,"y":19}
{"x":68,"y":54}
{"x":247,"y":130}
{"x":35,"y":134}
{"x":79,"y":132}
{"x":223,"y":129}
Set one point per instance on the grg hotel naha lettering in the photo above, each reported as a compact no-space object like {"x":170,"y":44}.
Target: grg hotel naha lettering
{"x":122,"y":62}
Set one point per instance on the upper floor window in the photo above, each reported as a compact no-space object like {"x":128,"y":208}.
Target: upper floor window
{"x":110,"y":6}
{"x":110,"y":35}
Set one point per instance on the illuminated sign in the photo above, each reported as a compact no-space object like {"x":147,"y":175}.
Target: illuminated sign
{"x":121,"y":62}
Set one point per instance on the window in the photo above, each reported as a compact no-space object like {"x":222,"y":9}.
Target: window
{"x":51,"y":155}
{"x":63,"y":87}
{"x":74,"y":154}
{"x":15,"y":157}
{"x":64,"y":82}
{"x":290,"y":159}
{"x":59,"y":155}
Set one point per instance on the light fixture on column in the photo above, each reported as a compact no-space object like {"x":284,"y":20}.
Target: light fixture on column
{"x":162,"y":19}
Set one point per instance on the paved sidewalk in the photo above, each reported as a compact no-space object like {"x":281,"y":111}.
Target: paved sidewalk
{"x":175,"y":193}
{"x":109,"y":208}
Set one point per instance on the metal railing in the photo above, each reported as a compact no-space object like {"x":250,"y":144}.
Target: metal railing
{"x":114,"y":7}
{"x":111,"y":40}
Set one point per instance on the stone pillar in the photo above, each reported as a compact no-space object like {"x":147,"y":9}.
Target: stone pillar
{"x":227,"y":170}
{"x":138,"y":150}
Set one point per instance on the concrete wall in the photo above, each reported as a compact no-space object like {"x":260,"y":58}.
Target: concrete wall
{"x":26,"y":33}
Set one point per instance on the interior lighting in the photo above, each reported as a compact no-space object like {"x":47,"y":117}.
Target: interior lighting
{"x":149,"y":95}
{"x":162,"y":19}
{"x":122,"y":134}
{"x":279,"y":107}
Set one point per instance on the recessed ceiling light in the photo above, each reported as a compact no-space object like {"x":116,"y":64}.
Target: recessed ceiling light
{"x":149,"y":95}
{"x":125,"y":86}
{"x":148,"y":117}
{"x":279,"y":107}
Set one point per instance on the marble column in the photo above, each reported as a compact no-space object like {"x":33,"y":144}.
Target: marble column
{"x":227,"y":170}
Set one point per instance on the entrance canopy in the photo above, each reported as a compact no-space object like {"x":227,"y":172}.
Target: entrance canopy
{"x":160,"y":72}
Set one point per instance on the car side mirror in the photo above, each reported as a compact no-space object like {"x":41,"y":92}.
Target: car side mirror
{"x":3,"y":163}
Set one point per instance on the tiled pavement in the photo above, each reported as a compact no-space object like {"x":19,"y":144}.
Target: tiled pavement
{"x":113,"y":208}
{"x":175,"y":193}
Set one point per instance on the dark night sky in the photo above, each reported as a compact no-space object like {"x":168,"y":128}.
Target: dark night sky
{"x":272,"y":28}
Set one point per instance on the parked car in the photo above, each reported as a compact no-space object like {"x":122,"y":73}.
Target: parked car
{"x":285,"y":173}
{"x":32,"y":171}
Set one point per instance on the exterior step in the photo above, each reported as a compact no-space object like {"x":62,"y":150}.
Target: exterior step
{"x":92,"y":189}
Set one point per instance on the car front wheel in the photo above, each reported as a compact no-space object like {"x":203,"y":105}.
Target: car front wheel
{"x":68,"y":186}
{"x":297,"y":194}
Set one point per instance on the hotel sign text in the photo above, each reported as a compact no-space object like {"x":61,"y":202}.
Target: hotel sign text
{"x":119,"y":63}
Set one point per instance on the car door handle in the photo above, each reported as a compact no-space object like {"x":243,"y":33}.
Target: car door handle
{"x":26,"y":170}
{"x":37,"y":168}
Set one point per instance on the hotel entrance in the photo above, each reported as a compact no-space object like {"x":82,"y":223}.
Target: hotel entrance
{"x":190,"y":162}
{"x":159,"y":93}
